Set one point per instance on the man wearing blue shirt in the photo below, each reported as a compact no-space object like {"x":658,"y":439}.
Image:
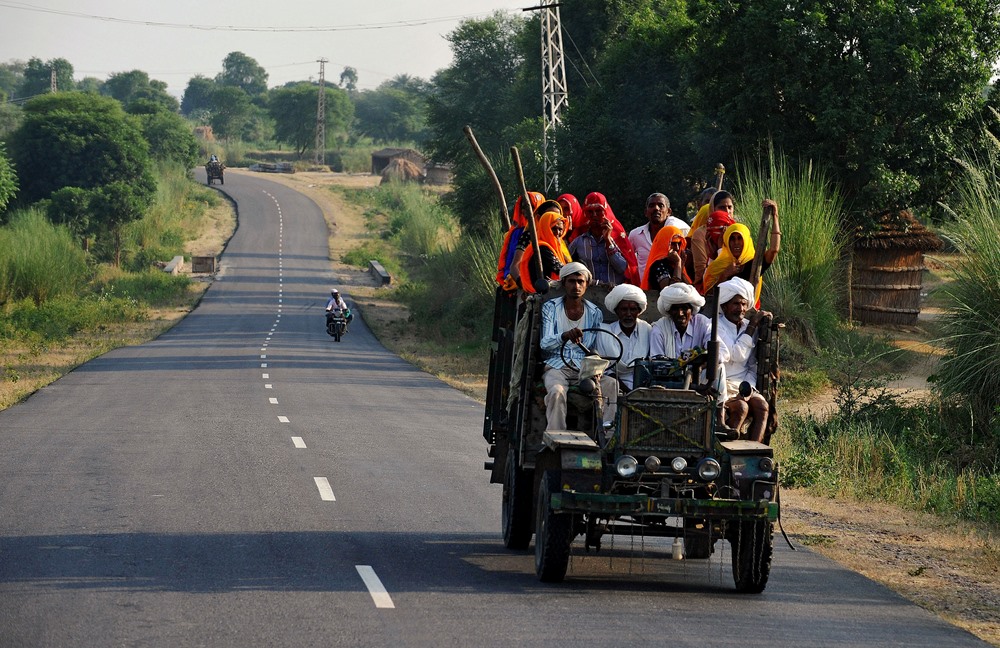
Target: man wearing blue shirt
{"x":563,"y":321}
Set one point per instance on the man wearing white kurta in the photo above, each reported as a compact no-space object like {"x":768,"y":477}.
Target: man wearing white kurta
{"x":628,"y":302}
{"x":563,"y":322}
{"x":739,"y":337}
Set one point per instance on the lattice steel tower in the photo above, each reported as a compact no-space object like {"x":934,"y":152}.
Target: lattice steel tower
{"x":320,"y":156}
{"x":554,"y":93}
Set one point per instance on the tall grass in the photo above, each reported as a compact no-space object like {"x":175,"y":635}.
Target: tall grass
{"x":801,"y":286}
{"x":971,"y":324}
{"x":39,"y":260}
{"x":175,"y":217}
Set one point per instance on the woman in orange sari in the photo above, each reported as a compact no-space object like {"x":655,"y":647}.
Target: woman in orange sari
{"x":665,"y":264}
{"x":551,"y":226}
{"x":510,"y":251}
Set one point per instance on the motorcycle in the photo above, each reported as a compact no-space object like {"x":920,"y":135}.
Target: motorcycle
{"x":336,"y":323}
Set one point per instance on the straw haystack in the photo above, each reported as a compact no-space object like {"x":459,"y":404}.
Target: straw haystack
{"x":888,"y":269}
{"x":402,"y":170}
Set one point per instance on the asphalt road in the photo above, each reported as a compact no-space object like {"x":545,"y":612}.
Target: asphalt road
{"x":246,"y":481}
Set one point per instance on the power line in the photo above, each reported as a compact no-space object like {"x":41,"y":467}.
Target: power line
{"x":233,"y":28}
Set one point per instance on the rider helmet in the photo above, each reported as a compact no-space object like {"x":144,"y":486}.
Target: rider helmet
{"x":334,"y":291}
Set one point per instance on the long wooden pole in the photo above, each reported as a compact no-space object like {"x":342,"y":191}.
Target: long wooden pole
{"x":720,"y":174}
{"x":758,"y":257}
{"x":533,"y":232}
{"x":504,"y":214}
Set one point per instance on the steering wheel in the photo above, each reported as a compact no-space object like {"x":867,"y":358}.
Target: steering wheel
{"x":613,"y":360}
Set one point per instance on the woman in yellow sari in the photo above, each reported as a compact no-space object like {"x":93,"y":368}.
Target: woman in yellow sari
{"x":736,"y":256}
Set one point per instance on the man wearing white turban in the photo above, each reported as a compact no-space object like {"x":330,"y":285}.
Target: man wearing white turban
{"x":681,"y":328}
{"x":739,"y":337}
{"x":628,"y":302}
{"x":563,"y":321}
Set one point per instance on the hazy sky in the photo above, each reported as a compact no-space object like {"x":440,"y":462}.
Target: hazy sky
{"x":173,"y":40}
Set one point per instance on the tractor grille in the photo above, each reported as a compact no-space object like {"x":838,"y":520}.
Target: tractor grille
{"x":657,"y":420}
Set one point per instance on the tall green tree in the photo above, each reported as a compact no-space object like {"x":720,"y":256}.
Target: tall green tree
{"x":88,"y":143}
{"x":11,"y":76}
{"x":293,"y":109}
{"x":243,"y":72}
{"x":38,"y":76}
{"x":8,"y":179}
{"x":198,"y":95}
{"x":231,"y":111}
{"x":349,"y":79}
{"x":169,"y":136}
{"x":395,"y":111}
{"x":633,"y":132}
{"x":131,"y":86}
{"x":886,"y":93}
{"x":478,"y":88}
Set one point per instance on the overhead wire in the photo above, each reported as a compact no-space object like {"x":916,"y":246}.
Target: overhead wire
{"x":234,"y":28}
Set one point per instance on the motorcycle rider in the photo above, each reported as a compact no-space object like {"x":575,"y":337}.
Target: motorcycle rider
{"x":337,"y":303}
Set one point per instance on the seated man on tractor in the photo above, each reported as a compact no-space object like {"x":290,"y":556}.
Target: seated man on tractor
{"x":563,"y":321}
{"x":628,"y":302}
{"x":739,"y":336}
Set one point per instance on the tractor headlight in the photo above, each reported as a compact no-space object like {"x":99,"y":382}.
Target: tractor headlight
{"x":766,"y":464}
{"x":652,"y":464}
{"x":678,"y":464}
{"x":709,"y":469}
{"x":626,"y":466}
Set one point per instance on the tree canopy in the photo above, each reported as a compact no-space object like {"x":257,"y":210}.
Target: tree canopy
{"x":293,"y":109}
{"x":37,"y":77}
{"x":86,"y":142}
{"x":243,"y":72}
{"x":127,"y":87}
{"x":8,"y":179}
{"x":883,"y":94}
{"x":396,"y":111}
{"x":198,"y":95}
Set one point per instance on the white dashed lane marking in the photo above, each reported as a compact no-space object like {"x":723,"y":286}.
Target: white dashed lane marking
{"x":265,"y":376}
{"x":267,"y":386}
{"x":273,"y":401}
{"x":282,"y":419}
{"x":375,"y":586}
{"x":325,"y":492}
{"x":298,"y":442}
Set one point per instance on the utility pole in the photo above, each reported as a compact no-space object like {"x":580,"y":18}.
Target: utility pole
{"x":53,"y":83}
{"x":554,"y":93}
{"x":320,"y":156}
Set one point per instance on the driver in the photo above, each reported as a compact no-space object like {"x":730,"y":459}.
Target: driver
{"x":628,"y":302}
{"x":336,"y":302}
{"x":563,"y":321}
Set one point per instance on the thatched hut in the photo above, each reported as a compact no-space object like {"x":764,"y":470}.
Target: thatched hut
{"x":382,"y":157}
{"x":888,"y":268}
{"x":403,"y":171}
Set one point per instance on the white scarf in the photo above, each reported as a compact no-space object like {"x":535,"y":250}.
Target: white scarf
{"x":666,"y":326}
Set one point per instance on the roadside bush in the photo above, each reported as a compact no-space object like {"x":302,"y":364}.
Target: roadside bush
{"x":62,"y":316}
{"x":801,"y":287}
{"x":150,"y":287}
{"x":39,"y":260}
{"x":971,"y":329}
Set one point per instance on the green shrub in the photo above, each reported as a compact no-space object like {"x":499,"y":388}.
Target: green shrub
{"x":802,"y":285}
{"x":39,"y":260}
{"x":151,"y":287}
{"x":971,"y":328}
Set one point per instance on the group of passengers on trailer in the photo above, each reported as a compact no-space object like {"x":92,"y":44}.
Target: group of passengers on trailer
{"x":580,"y":246}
